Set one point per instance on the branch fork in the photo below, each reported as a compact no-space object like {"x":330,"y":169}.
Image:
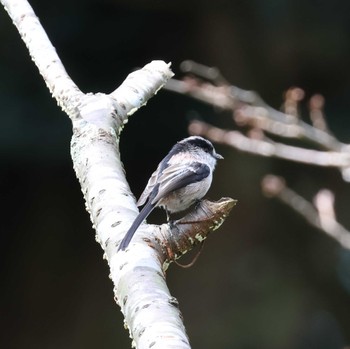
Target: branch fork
{"x":151,"y":313}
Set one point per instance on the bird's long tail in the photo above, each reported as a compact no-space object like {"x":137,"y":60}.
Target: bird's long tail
{"x":146,"y":210}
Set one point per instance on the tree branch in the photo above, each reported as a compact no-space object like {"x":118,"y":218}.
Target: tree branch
{"x":251,"y":112}
{"x":269,"y":148}
{"x":322,"y":217}
{"x":194,"y":228}
{"x":151,"y":313}
{"x":249,"y":105}
{"x":44,"y":55}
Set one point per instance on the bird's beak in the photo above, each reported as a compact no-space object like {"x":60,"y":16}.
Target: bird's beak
{"x":218,"y":156}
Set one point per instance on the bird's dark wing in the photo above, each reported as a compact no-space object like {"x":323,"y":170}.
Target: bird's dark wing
{"x":178,"y":176}
{"x":173,"y":177}
{"x":151,"y":189}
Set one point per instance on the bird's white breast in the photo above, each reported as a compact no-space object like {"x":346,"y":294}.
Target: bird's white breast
{"x":183,"y":198}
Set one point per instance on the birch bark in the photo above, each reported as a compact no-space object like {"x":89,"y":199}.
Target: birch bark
{"x":151,"y":313}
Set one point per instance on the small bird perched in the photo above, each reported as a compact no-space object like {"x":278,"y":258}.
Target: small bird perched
{"x":182,"y":178}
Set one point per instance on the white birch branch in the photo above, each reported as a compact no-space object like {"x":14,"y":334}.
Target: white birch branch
{"x":138,"y":274}
{"x":43,"y":54}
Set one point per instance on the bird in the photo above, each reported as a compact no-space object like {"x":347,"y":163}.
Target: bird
{"x":181,"y":179}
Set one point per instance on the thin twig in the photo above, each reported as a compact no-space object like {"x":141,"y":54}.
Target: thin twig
{"x":276,"y":187}
{"x":250,"y":105}
{"x":269,"y":148}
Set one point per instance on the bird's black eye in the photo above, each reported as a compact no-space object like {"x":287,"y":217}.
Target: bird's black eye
{"x":208,"y":149}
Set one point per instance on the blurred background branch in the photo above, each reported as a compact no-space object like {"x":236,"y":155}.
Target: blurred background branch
{"x":253,"y":118}
{"x":321,"y":215}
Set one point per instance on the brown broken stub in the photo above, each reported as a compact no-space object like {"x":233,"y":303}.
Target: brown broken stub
{"x":187,"y":232}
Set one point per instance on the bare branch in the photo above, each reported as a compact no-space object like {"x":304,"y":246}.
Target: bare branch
{"x":211,"y":74}
{"x":44,"y":55}
{"x":321,"y":219}
{"x":251,"y":106}
{"x":317,"y":116}
{"x":151,"y":313}
{"x":250,"y":111}
{"x":269,"y":148}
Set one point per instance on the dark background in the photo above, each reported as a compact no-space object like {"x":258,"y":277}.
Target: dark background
{"x":265,"y":279}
